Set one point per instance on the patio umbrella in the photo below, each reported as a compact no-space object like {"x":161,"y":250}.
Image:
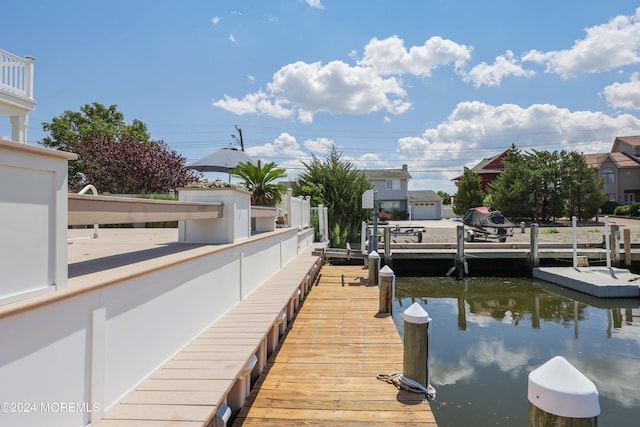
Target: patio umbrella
{"x":222,"y":160}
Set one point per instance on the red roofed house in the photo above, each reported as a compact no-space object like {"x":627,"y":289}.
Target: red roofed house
{"x":488,"y":169}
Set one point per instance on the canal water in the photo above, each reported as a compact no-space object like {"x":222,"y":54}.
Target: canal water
{"x":487,"y":334}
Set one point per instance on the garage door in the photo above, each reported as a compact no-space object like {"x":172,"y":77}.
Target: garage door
{"x":424,"y":210}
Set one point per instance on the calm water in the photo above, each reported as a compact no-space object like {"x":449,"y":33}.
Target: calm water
{"x":487,"y":334}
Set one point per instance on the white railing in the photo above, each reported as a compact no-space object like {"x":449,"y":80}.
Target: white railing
{"x":16,"y":74}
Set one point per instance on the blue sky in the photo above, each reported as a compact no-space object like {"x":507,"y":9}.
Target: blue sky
{"x":437,"y":85}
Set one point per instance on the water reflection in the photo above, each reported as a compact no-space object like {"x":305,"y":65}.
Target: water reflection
{"x":489,"y":333}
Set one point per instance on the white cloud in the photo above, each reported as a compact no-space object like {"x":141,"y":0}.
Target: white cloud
{"x":335,"y":88}
{"x":605,"y":47}
{"x":316,"y":4}
{"x":475,"y":130}
{"x":389,"y":56}
{"x":251,"y":78}
{"x":319,"y":145}
{"x":232,"y":38}
{"x":254,"y":103}
{"x":478,"y":126}
{"x":215,"y":20}
{"x":624,"y":95}
{"x":492,"y":75}
{"x":284,"y":146}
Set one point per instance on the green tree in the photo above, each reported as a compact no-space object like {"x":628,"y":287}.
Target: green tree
{"x":511,"y":191}
{"x":470,"y":194}
{"x":259,"y":179}
{"x":582,"y":189}
{"x":334,"y":183}
{"x":446,"y":197}
{"x":545,"y":170}
{"x":93,"y":121}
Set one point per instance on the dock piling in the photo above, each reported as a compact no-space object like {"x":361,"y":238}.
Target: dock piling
{"x":560,"y":395}
{"x":387,"y":287}
{"x":535,"y":254}
{"x":627,"y":246}
{"x":460,"y":262}
{"x":374,"y":268}
{"x":607,"y":241}
{"x":416,"y":345}
{"x":615,"y":245}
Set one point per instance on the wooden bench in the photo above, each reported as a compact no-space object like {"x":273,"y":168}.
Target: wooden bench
{"x":209,"y":380}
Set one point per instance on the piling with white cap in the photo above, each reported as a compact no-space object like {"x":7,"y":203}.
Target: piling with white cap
{"x":561,"y":395}
{"x":387,"y":285}
{"x":416,"y":344}
{"x":374,"y":268}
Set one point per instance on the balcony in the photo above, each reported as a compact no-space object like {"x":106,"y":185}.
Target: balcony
{"x":16,"y":92}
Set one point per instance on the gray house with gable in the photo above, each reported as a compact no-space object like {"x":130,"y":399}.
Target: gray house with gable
{"x":392,"y":192}
{"x":391,"y":187}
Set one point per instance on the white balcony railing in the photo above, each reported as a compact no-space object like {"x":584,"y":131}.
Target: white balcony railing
{"x":16,"y":74}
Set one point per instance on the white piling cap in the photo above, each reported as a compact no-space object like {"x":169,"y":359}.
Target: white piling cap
{"x":386,"y":271}
{"x":558,"y":388}
{"x":374,"y":254}
{"x":416,"y":314}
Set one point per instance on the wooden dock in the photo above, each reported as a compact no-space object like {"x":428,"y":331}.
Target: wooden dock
{"x":325,"y":372}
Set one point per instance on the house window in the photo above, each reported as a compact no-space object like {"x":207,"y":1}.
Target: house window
{"x":608,"y":176}
{"x":392,"y":184}
{"x":389,"y":205}
{"x":611,"y":197}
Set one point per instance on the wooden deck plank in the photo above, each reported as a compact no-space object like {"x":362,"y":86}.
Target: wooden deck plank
{"x":186,"y":390}
{"x":325,"y":371}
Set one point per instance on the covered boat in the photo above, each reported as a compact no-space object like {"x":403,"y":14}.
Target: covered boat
{"x":481,"y":222}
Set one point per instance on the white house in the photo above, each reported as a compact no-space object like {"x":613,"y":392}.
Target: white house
{"x":16,"y":92}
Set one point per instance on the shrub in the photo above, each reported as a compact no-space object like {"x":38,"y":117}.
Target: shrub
{"x":609,"y":207}
{"x":384,"y":216}
{"x":628,"y":210}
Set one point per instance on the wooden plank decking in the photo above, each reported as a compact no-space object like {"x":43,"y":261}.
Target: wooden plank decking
{"x":325,"y":371}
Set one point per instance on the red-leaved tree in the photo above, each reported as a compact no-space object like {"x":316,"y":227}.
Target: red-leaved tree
{"x":127,"y":166}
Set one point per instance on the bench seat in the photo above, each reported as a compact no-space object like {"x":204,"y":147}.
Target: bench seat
{"x":209,"y":375}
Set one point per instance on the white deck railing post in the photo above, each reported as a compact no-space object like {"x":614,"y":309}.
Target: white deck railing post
{"x":28,"y":76}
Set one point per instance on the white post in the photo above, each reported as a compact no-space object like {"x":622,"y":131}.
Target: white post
{"x":574,"y":239}
{"x":326,"y":223}
{"x":560,"y":395}
{"x":19,"y":128}
{"x":321,"y":220}
{"x":28,"y":76}
{"x":363,"y":237}
{"x":289,"y":205}
{"x":607,"y":243}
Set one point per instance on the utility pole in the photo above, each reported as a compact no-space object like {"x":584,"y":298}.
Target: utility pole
{"x":241,"y":141}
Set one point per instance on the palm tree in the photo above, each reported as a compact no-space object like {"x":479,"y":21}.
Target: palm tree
{"x":259,"y":179}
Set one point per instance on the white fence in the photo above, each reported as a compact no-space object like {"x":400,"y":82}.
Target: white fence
{"x":297,"y":211}
{"x":16,"y":74}
{"x":71,"y":348}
